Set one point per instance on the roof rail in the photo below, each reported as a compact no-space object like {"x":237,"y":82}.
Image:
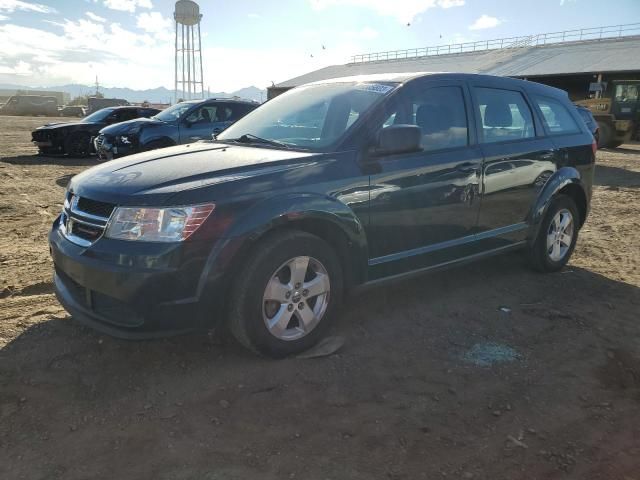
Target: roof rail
{"x":583,"y":34}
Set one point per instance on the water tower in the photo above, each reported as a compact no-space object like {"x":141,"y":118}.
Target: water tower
{"x":188,"y":71}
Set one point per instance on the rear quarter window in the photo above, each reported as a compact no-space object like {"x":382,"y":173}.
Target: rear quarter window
{"x":556,"y":116}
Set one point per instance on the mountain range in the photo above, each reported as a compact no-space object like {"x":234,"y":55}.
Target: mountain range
{"x":153,"y":95}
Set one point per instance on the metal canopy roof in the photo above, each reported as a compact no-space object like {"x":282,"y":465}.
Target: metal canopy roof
{"x":591,"y":56}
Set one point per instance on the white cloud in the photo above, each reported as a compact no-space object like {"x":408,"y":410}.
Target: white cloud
{"x":3,"y":17}
{"x":127,"y":5}
{"x":259,"y":67}
{"x":485,"y":21}
{"x":564,"y":2}
{"x":96,"y":18}
{"x":366,"y":33}
{"x":402,"y":10}
{"x":450,"y":3}
{"x":156,"y":24}
{"x":13,"y":5}
{"x":78,"y":50}
{"x":83,"y":50}
{"x":21,"y":69}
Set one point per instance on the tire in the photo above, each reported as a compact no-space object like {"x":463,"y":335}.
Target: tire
{"x":78,"y":144}
{"x":604,"y":139}
{"x":545,"y":258}
{"x":250,"y":313}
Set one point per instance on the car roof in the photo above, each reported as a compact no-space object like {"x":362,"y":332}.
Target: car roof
{"x":405,"y":77}
{"x":226,"y":100}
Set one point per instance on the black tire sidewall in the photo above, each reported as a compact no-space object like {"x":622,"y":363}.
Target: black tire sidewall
{"x":248,"y":292}
{"x":605,"y":135}
{"x":561,"y":202}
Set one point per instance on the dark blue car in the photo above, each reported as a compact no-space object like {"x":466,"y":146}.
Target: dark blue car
{"x":185,"y":122}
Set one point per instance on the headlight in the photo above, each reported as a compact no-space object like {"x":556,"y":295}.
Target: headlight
{"x":173,"y":224}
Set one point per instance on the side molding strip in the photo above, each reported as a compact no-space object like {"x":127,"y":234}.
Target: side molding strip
{"x":448,"y":244}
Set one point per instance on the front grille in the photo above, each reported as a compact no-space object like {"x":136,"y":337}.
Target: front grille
{"x":87,"y":232}
{"x":93,"y":207}
{"x":84,"y":220}
{"x":99,"y":141}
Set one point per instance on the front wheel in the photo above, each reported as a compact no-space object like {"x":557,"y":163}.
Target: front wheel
{"x":557,"y":236}
{"x":285,"y":295}
{"x":78,"y":145}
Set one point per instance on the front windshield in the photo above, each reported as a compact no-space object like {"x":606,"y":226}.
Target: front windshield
{"x":173,"y":113}
{"x":309,"y":117}
{"x":98,"y":116}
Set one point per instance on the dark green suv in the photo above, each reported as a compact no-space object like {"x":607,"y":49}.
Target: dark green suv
{"x":330,"y":186}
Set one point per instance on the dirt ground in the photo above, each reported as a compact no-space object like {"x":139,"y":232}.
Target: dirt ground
{"x":413,"y":393}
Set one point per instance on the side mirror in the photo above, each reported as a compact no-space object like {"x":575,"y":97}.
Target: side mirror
{"x":398,"y":139}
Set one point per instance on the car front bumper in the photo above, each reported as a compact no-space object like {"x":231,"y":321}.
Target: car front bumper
{"x":107,"y":149}
{"x":137,"y":291}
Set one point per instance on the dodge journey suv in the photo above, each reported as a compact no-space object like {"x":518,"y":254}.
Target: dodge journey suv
{"x":329,"y":186}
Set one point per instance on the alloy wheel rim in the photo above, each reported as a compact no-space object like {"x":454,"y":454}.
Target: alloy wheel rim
{"x":560,"y":235}
{"x":296,"y":298}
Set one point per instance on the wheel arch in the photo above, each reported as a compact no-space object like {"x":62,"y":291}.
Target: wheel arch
{"x":324,"y":217}
{"x":159,"y":139}
{"x":566,"y":181}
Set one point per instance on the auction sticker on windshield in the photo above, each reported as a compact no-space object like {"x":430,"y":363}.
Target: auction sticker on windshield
{"x":374,"y":87}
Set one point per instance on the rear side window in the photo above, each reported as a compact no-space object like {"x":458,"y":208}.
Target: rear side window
{"x":556,"y":116}
{"x":230,"y":112}
{"x":124,"y":114}
{"x":505,"y":115}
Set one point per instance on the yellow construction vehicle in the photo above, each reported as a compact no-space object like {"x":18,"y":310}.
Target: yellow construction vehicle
{"x":618,"y":116}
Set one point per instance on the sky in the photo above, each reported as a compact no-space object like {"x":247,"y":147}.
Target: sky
{"x":130,"y":43}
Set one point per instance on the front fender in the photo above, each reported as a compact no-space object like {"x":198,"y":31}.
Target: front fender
{"x":559,"y":180}
{"x":312,"y":210}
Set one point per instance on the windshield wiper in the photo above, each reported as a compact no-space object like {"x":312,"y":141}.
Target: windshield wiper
{"x":251,"y":138}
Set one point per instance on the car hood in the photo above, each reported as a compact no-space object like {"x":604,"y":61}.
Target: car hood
{"x":57,"y":125}
{"x":152,"y":177}
{"x":130,"y":126}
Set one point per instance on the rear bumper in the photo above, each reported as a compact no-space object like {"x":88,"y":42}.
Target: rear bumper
{"x":137,"y":291}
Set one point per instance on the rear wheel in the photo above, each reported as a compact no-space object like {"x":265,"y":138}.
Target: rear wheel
{"x":78,"y":145}
{"x":557,"y":236}
{"x":285,"y":295}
